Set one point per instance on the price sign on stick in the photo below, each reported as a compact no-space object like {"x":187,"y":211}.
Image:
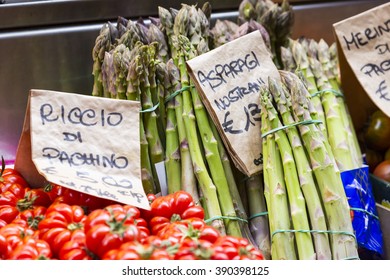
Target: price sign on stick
{"x":85,"y":143}
{"x":228,"y":79}
{"x":365,"y":43}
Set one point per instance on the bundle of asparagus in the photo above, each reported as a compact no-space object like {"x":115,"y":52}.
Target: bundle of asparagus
{"x":313,"y":61}
{"x":300,"y":173}
{"x":277,"y":19}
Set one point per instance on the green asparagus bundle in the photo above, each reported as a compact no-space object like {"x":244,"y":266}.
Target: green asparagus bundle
{"x":327,"y":175}
{"x":282,"y":242}
{"x":314,"y":63}
{"x":188,"y":180}
{"x":296,"y":200}
{"x":277,"y":19}
{"x":305,"y":173}
{"x":303,"y":66}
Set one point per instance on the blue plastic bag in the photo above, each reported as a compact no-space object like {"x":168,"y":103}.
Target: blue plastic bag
{"x":361,"y":200}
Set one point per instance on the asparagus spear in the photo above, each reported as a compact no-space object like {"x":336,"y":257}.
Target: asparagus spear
{"x":302,"y":61}
{"x":246,"y":10}
{"x":173,"y":160}
{"x":188,"y":180}
{"x":155,"y":34}
{"x":282,"y":240}
{"x":206,"y":183}
{"x":121,"y":59}
{"x":222,"y":32}
{"x":287,"y":59}
{"x":156,"y":150}
{"x":337,"y":133}
{"x":334,"y":61}
{"x":325,"y":59}
{"x":305,"y":173}
{"x":296,"y":199}
{"x":102,"y":45}
{"x":343,"y":242}
{"x":258,"y":222}
{"x":108,"y":76}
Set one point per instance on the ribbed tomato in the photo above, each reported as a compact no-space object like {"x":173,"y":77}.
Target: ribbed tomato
{"x":17,"y":198}
{"x":106,"y":229}
{"x":9,"y":176}
{"x":59,"y":224}
{"x":75,"y":248}
{"x":11,"y":235}
{"x":173,"y":207}
{"x":31,"y":248}
{"x":235,"y":248}
{"x":31,"y":217}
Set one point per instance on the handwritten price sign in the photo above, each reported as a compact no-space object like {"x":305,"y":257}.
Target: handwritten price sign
{"x":87,"y":143}
{"x":229,"y":79}
{"x":365,"y":41}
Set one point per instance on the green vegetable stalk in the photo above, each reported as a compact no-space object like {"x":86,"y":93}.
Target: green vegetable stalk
{"x":282,"y":239}
{"x":305,"y":173}
{"x":343,"y":241}
{"x":296,"y":199}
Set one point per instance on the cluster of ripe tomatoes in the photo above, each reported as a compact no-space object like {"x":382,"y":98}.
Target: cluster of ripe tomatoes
{"x":54,"y":222}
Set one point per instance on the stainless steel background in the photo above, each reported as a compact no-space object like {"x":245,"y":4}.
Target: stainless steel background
{"x":48,"y":44}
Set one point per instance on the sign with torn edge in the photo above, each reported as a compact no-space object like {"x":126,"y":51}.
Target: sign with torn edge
{"x":228,"y":79}
{"x":364,"y":41}
{"x":86,"y":143}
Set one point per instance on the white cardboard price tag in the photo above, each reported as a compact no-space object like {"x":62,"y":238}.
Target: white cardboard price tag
{"x":85,"y":143}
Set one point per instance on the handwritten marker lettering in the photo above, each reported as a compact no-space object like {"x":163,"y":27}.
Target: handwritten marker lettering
{"x":224,"y":72}
{"x":378,"y":69}
{"x":382,"y":91}
{"x":81,"y":159}
{"x":362,"y":38}
{"x":383,"y":48}
{"x":68,"y":136}
{"x":84,"y":117}
{"x":238,"y":93}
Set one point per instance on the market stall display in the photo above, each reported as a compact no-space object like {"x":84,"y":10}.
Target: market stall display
{"x":297,"y":207}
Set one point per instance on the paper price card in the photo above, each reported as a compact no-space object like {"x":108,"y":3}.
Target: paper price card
{"x":85,"y":143}
{"x":228,"y":79}
{"x":365,"y":42}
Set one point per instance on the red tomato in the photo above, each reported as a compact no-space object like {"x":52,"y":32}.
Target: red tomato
{"x":4,"y":250}
{"x":9,"y":176}
{"x":18,"y":198}
{"x":53,"y":191}
{"x":382,"y":170}
{"x":236,"y":248}
{"x":61,"y":221}
{"x":31,"y":248}
{"x":193,"y":249}
{"x":117,"y":254}
{"x":30,"y":217}
{"x":75,"y":248}
{"x":134,"y":250}
{"x":107,"y":229}
{"x":195,"y":229}
{"x":173,"y":207}
{"x":11,"y":236}
{"x":122,"y":211}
